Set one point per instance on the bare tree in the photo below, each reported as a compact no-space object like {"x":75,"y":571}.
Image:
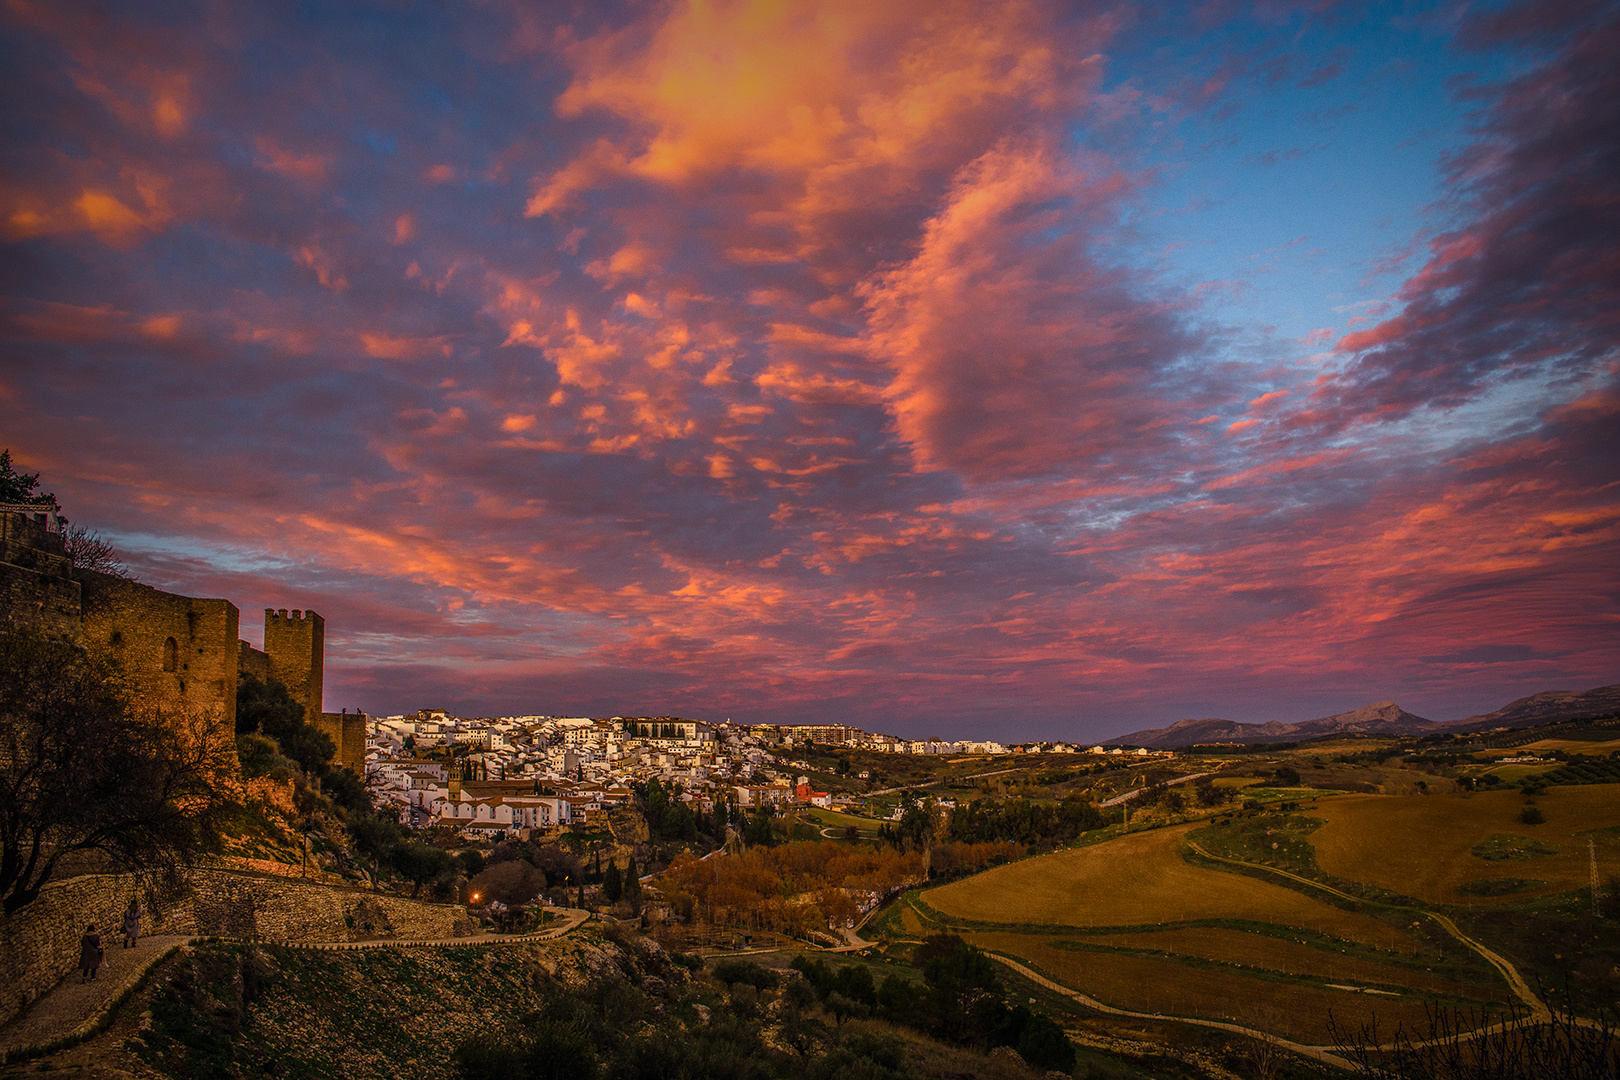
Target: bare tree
{"x":1459,"y":1045}
{"x":90,"y":551}
{"x":85,"y":768}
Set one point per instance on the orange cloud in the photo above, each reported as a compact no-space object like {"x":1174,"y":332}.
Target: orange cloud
{"x":272,"y":156}
{"x":388,"y":347}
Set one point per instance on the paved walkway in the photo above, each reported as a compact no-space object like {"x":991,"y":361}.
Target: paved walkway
{"x":70,"y":1005}
{"x":72,"y":1010}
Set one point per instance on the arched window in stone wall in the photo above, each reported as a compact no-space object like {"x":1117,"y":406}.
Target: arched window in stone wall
{"x":171,"y":655}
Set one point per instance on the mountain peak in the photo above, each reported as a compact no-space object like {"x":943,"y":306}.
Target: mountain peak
{"x":1380,"y":718}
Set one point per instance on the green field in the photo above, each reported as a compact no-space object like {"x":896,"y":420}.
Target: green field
{"x":831,"y":819}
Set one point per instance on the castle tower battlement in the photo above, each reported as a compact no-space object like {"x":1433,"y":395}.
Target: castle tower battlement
{"x":295,"y":643}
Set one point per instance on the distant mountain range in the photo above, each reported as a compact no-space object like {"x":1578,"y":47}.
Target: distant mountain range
{"x":1382,"y":718}
{"x":1547,"y":707}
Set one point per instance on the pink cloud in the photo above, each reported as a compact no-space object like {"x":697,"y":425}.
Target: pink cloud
{"x":797,"y":365}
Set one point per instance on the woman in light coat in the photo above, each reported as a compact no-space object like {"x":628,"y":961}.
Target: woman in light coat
{"x":132,"y":923}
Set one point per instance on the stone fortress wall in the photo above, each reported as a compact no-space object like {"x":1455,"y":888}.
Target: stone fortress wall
{"x":37,"y":586}
{"x":39,"y":945}
{"x":250,"y":661}
{"x":181,"y":650}
{"x":347,"y":730}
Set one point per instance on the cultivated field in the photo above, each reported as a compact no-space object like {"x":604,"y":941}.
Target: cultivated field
{"x":1132,"y":923}
{"x":1141,"y":880}
{"x":1290,"y":1007}
{"x":1323,"y":959}
{"x":1572,"y":746}
{"x":1423,"y":846}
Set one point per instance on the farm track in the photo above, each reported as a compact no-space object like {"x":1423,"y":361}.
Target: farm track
{"x":1538,"y":1008}
{"x":1316,"y":1053}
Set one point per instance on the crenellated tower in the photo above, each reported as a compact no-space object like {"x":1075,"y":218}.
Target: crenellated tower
{"x":295,"y":643}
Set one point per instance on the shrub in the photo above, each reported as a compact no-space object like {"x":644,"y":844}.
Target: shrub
{"x":1044,"y":1045}
{"x":260,"y":756}
{"x":745,"y":971}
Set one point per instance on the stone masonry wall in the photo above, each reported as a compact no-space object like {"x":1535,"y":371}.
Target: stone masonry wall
{"x":37,"y":590}
{"x":348,"y":734}
{"x":39,"y":945}
{"x":181,"y":650}
{"x":250,"y":661}
{"x":41,"y":603}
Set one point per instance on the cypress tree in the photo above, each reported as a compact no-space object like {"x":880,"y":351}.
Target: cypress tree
{"x":632,"y":882}
{"x":612,"y":885}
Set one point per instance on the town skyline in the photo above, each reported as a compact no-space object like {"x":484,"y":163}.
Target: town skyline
{"x":1037,"y":378}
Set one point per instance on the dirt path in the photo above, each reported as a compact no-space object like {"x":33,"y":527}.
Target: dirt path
{"x":572,"y":918}
{"x":1316,"y":1053}
{"x":1538,"y":1008}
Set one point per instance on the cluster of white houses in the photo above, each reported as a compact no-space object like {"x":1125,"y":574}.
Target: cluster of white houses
{"x":433,"y":793}
{"x":546,"y":772}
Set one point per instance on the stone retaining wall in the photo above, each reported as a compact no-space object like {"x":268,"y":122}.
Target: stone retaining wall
{"x":39,"y":945}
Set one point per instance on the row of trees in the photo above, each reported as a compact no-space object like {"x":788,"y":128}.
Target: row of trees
{"x":1023,"y":821}
{"x":791,"y":888}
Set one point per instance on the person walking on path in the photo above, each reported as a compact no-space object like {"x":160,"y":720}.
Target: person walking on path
{"x":132,"y":923}
{"x":90,"y":954}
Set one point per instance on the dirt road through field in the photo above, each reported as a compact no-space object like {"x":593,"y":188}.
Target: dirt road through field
{"x":1316,"y":1053}
{"x":1538,"y":1008}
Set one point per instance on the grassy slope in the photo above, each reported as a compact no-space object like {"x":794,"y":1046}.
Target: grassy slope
{"x":234,"y":1011}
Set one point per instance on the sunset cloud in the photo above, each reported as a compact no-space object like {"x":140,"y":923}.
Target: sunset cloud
{"x":859,"y":361}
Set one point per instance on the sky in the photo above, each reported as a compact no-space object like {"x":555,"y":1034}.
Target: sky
{"x":1014,"y":370}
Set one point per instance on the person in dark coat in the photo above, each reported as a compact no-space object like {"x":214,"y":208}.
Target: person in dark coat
{"x":132,"y":923}
{"x":90,"y":954}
